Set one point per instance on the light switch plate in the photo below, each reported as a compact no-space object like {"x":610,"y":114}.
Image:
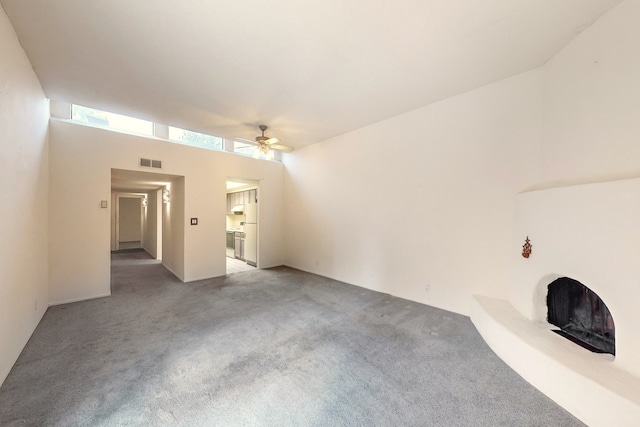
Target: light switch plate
{"x":103,"y":204}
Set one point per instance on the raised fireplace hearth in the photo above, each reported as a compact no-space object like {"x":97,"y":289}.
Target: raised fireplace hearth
{"x":581,"y":315}
{"x":585,"y":240}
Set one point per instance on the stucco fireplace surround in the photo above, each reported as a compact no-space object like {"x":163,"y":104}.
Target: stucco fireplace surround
{"x":589,"y":234}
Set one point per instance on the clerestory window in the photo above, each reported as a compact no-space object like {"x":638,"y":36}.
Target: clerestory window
{"x":114,"y":121}
{"x":196,"y":139}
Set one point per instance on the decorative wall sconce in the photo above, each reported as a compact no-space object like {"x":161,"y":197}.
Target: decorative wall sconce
{"x":166,"y":196}
{"x":526,"y":248}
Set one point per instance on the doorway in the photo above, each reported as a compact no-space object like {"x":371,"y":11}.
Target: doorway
{"x":129,"y":222}
{"x":138,"y":208}
{"x":242,"y":204}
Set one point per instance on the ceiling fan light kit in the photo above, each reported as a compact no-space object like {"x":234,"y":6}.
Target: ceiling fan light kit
{"x":268,"y":153}
{"x":266,"y":145}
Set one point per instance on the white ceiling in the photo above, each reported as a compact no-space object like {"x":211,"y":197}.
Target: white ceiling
{"x":309,"y":70}
{"x":240,"y":184}
{"x":125,"y":181}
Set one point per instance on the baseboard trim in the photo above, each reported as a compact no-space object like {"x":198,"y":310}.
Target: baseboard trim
{"x":173,"y":272}
{"x":54,"y":303}
{"x":6,"y":370}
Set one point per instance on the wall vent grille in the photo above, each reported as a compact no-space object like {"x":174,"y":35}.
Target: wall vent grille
{"x":148,"y":163}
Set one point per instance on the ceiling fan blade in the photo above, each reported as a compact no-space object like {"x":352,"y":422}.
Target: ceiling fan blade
{"x":272,"y":141}
{"x":281,"y":147}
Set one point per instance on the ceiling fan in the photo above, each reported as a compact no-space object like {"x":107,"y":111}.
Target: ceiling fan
{"x":266,"y":144}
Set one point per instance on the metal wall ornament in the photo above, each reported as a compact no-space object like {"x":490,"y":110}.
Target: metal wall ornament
{"x":526,"y":248}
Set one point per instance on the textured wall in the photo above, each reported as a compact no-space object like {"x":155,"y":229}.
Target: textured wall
{"x":24,"y":114}
{"x":424,"y":199}
{"x":592,"y":103}
{"x":82,"y":158}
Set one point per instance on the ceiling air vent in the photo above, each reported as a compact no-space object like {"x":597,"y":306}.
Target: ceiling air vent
{"x":148,"y":163}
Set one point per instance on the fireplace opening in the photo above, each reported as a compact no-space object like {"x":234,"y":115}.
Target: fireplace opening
{"x":581,"y":315}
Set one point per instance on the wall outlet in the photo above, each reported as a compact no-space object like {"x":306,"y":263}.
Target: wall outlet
{"x":427,"y":287}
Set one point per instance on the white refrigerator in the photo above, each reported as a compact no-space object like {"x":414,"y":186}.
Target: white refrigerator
{"x":251,"y":234}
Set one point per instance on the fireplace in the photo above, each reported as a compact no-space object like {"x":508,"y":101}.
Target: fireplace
{"x":585,"y":254}
{"x":581,"y":315}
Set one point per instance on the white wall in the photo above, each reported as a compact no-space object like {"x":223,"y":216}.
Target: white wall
{"x":81,"y":158}
{"x":424,"y":198}
{"x":428,"y":197}
{"x":151,"y":224}
{"x":592,"y":103}
{"x":113,"y":207}
{"x":130,"y":221}
{"x":589,"y":233}
{"x":590,"y":135}
{"x":145,"y":226}
{"x":173,"y":229}
{"x":143,"y":232}
{"x":24,"y":252}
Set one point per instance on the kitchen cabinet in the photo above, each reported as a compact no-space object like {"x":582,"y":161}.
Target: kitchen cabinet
{"x":239,"y":245}
{"x":232,"y":200}
{"x":241,"y":198}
